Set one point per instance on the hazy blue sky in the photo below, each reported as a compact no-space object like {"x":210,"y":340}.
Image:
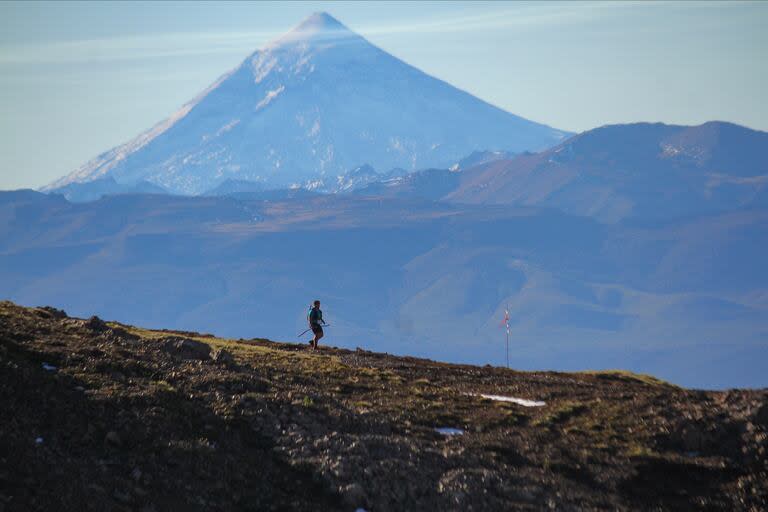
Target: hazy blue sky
{"x":79,"y":78}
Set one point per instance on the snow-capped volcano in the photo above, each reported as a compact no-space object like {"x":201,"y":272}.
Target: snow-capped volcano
{"x":312,"y":104}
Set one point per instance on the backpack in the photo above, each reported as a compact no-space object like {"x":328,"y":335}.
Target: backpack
{"x":318,"y":316}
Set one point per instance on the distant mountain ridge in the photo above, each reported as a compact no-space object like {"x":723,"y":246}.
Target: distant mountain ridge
{"x":684,"y":299}
{"x":107,"y":186}
{"x":310,"y":106}
{"x":644,"y":171}
{"x":641,"y":171}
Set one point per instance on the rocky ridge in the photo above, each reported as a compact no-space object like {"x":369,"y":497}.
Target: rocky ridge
{"x":103,"y":416}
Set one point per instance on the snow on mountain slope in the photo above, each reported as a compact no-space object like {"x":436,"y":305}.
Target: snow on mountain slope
{"x":307,"y":107}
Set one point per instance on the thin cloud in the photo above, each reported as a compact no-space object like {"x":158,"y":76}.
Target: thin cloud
{"x":176,"y":44}
{"x":185,"y":44}
{"x":532,"y":16}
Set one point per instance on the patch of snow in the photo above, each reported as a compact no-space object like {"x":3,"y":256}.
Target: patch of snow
{"x":315,"y":185}
{"x":449,"y":431}
{"x":518,"y":401}
{"x":48,"y":367}
{"x":224,"y":129}
{"x":271,"y":95}
{"x":670,"y":150}
{"x":262,"y":65}
{"x":315,"y":129}
{"x":304,"y":62}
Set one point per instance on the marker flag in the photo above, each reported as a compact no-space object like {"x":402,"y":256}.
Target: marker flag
{"x":505,"y":322}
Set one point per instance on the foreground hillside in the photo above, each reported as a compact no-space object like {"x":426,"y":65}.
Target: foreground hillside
{"x":103,"y":416}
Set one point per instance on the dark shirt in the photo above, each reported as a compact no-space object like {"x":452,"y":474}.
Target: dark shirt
{"x":315,"y":316}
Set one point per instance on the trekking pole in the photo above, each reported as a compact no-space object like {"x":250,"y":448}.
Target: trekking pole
{"x":305,"y":332}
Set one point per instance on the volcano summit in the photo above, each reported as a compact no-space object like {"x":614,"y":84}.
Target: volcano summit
{"x":306,"y":108}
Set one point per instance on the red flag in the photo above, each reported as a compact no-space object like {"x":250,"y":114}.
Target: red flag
{"x":505,"y":322}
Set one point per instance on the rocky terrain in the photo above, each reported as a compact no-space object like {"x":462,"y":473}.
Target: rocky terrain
{"x":102,"y":416}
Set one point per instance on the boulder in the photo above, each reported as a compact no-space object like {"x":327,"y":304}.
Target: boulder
{"x":49,"y":312}
{"x":96,"y":324}
{"x":184,"y":348}
{"x":354,"y":495}
{"x":122,"y":334}
{"x":112,"y":439}
{"x":761,"y":415}
{"x":223,"y":356}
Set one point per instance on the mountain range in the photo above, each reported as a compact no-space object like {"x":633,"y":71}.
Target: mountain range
{"x":684,"y":299}
{"x":636,"y":171}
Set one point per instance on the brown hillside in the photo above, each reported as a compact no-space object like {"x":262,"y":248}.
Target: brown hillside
{"x":102,"y":416}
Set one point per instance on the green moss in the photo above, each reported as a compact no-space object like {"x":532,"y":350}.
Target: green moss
{"x":635,"y":451}
{"x":164,"y":386}
{"x":626,"y":376}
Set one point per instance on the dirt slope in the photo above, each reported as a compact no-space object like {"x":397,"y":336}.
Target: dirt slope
{"x":99,"y":416}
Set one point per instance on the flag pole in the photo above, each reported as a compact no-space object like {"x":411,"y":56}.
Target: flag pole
{"x":507,"y":348}
{"x":507,"y":326}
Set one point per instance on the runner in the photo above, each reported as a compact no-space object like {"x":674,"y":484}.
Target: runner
{"x":315,"y":318}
